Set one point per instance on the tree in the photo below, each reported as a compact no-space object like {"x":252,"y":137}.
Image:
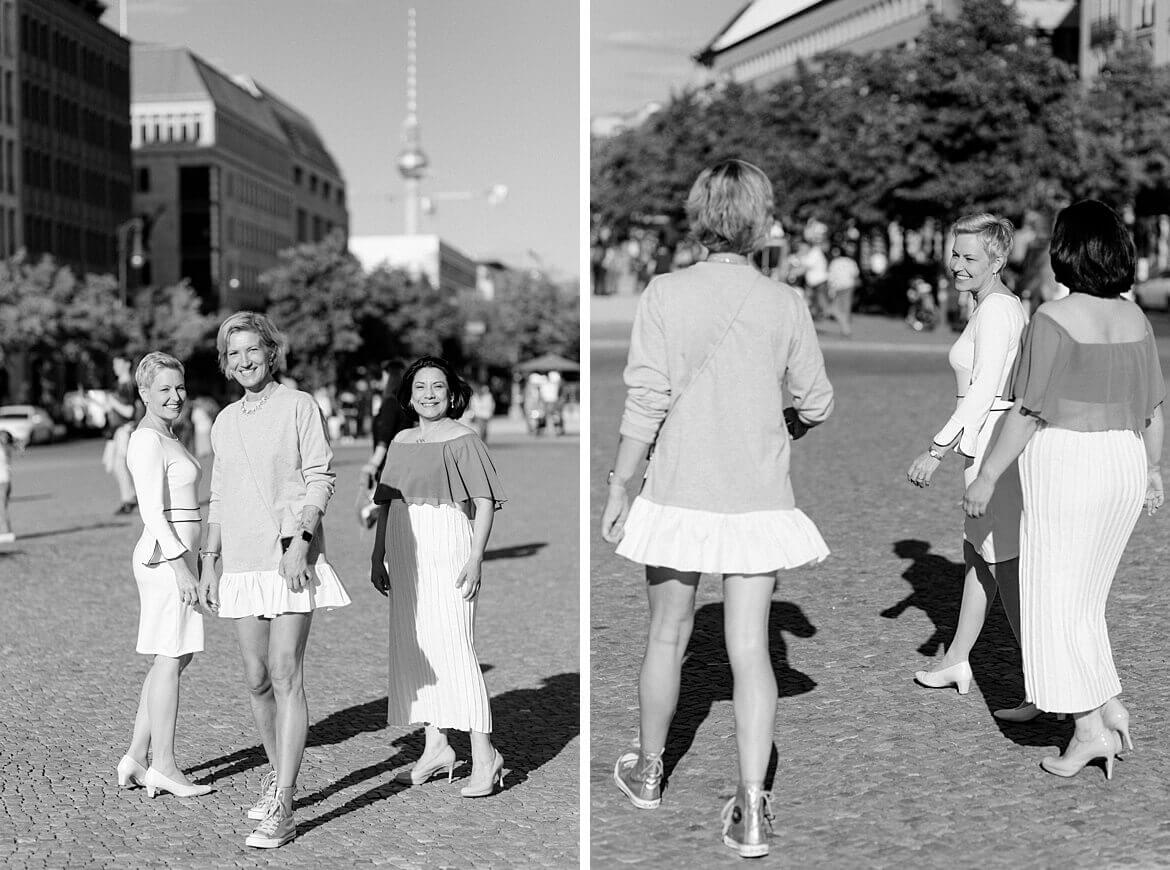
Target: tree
{"x":170,"y":319}
{"x":405,"y":318}
{"x":528,"y":315}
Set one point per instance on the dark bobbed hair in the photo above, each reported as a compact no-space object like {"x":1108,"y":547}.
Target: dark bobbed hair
{"x":1092,"y":250}
{"x":459,"y":389}
{"x":730,"y":207}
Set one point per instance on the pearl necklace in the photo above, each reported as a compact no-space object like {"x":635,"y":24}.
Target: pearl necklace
{"x":249,"y":408}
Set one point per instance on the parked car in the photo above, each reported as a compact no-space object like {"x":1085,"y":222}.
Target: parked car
{"x":29,"y":424}
{"x":85,"y":410}
{"x":1154,"y":293}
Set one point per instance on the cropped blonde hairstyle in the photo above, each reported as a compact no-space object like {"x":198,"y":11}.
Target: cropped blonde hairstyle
{"x":996,"y":234}
{"x":730,"y":207}
{"x":151,"y":364}
{"x":249,"y":321}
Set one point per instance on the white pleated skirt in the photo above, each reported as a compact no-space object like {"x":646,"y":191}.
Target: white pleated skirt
{"x":1082,"y":495}
{"x":166,"y":626}
{"x":435,"y":677}
{"x":266,"y":593}
{"x":756,"y":542}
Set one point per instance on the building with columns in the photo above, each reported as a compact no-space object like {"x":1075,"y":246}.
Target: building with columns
{"x":226,"y":175}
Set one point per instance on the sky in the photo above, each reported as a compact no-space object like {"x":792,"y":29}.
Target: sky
{"x":498,"y":104}
{"x":641,"y":51}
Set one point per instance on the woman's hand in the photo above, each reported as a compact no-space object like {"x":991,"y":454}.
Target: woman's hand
{"x":468,"y":580}
{"x":613,"y":515}
{"x":922,"y":469}
{"x":185,"y":580}
{"x":379,"y":576}
{"x":1154,"y":495}
{"x":294,"y":565}
{"x":977,"y":496}
{"x":209,"y":571}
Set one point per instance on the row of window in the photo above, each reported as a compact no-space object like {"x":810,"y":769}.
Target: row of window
{"x":7,"y":166}
{"x":65,"y":240}
{"x":68,"y":179}
{"x":158,"y":129}
{"x":312,"y":228}
{"x":321,"y":186}
{"x":38,"y":40}
{"x":66,"y":116}
{"x":251,"y":237}
{"x":256,"y":194}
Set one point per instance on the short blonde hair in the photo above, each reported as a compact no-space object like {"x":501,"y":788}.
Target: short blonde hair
{"x":151,"y":364}
{"x":996,"y":234}
{"x":249,"y":321}
{"x":730,"y":207}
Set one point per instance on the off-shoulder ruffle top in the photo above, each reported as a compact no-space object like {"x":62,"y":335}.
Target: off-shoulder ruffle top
{"x":439,"y":472}
{"x":1084,"y":386}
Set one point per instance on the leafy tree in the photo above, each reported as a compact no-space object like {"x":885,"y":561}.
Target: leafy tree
{"x":170,"y":319}
{"x":404,"y":318}
{"x":528,"y":315}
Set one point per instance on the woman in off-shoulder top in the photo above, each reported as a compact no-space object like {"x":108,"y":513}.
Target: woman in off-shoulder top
{"x":982,"y":359}
{"x":437,"y":497}
{"x":170,"y":628}
{"x":1086,"y":425}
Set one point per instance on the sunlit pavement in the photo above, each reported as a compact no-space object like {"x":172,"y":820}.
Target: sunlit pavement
{"x":69,"y":682}
{"x":871,"y":770}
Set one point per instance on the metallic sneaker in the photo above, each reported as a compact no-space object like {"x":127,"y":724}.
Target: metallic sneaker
{"x":275,"y":829}
{"x":747,"y":821}
{"x":640,"y":778}
{"x":260,"y":809}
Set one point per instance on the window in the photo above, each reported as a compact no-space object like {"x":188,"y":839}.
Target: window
{"x":144,"y":179}
{"x":298,"y":176}
{"x":8,"y":97}
{"x":312,"y":184}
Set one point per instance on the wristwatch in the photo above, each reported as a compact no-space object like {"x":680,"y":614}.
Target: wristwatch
{"x":306,"y":536}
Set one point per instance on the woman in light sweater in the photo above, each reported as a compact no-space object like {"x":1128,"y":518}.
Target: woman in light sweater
{"x":712,"y":343}
{"x":264,"y":559}
{"x":982,"y":359}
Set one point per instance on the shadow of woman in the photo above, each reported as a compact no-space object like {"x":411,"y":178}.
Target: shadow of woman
{"x":933,"y":581}
{"x":530,"y":728}
{"x":706,"y":674}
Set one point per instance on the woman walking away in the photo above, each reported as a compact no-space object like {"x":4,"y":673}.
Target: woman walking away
{"x":712,"y":349}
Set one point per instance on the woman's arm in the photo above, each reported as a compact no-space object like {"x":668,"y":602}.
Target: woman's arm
{"x":1009,"y":443}
{"x":378,"y":574}
{"x":469,"y":578}
{"x":630,"y":453}
{"x":812,"y":394}
{"x":1152,"y":438}
{"x":316,"y":468}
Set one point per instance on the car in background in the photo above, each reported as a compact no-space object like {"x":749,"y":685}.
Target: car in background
{"x":28,"y":424}
{"x":85,"y":411}
{"x":1153,"y":294}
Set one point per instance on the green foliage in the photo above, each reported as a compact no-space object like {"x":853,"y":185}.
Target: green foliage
{"x":171,"y":319}
{"x":529,"y":315}
{"x":406,"y":319}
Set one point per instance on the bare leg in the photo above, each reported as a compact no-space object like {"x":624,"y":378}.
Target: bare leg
{"x":436,"y":741}
{"x":286,"y":657}
{"x":747,"y":601}
{"x":1007,"y":578}
{"x":978,"y":595}
{"x":253,"y":635}
{"x":483,"y":754}
{"x":140,"y":741}
{"x":163,"y":711}
{"x":5,"y":492}
{"x":672,"y":616}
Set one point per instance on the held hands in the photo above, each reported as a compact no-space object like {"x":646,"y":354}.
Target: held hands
{"x":209,"y":571}
{"x":922,"y":469}
{"x":185,"y":580}
{"x":468,"y":580}
{"x":613,"y":515}
{"x":378,"y":574}
{"x":294,"y":565}
{"x":977,"y":496}
{"x":1154,"y":495}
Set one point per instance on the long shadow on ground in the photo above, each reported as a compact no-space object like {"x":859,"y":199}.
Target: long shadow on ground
{"x":706,"y":674}
{"x":936,"y":585}
{"x":530,"y":728}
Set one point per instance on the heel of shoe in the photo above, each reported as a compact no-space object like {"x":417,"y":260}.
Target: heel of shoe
{"x":963,"y":686}
{"x":150,"y":790}
{"x":1126,"y":743}
{"x":1109,"y":766}
{"x":450,"y":771}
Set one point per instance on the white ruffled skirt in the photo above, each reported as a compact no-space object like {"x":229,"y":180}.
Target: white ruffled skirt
{"x":265,"y":593}
{"x":757,"y":542}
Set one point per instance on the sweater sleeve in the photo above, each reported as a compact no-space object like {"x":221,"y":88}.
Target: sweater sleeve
{"x":316,"y":454}
{"x":646,"y":375}
{"x":812,"y":394}
{"x":214,"y":501}
{"x":993,"y":338}
{"x":148,"y":468}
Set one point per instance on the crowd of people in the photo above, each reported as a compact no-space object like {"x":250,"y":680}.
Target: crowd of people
{"x":259,"y":558}
{"x":1059,"y":423}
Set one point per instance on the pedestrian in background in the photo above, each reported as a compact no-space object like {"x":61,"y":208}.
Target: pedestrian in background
{"x":170,"y":628}
{"x":264,"y":564}
{"x":712,"y":347}
{"x":981,"y":359}
{"x":1086,"y":426}
{"x":121,"y":414}
{"x":483,"y":408}
{"x":391,"y":419}
{"x":438,"y":493}
{"x":843,"y":277}
{"x":7,"y":448}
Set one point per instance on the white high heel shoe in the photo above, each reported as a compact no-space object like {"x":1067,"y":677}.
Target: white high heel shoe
{"x":1025,"y":712}
{"x":130,"y":772}
{"x":156,"y":782}
{"x":958,"y":675}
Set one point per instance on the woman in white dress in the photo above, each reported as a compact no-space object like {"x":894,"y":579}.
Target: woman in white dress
{"x":166,"y":478}
{"x":1086,"y":426}
{"x":264,"y":564}
{"x":982,"y":359}
{"x":438,"y":495}
{"x":712,"y":349}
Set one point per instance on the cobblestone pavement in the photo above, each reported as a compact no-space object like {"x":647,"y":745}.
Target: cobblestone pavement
{"x":871,"y":770}
{"x":69,"y":682}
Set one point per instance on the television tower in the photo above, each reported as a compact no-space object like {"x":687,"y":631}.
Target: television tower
{"x":412,"y":162}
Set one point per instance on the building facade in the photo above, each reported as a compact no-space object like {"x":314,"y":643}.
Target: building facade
{"x":1104,"y":22}
{"x":226,"y":175}
{"x":766,"y":38}
{"x":64,"y":133}
{"x":446,"y":268}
